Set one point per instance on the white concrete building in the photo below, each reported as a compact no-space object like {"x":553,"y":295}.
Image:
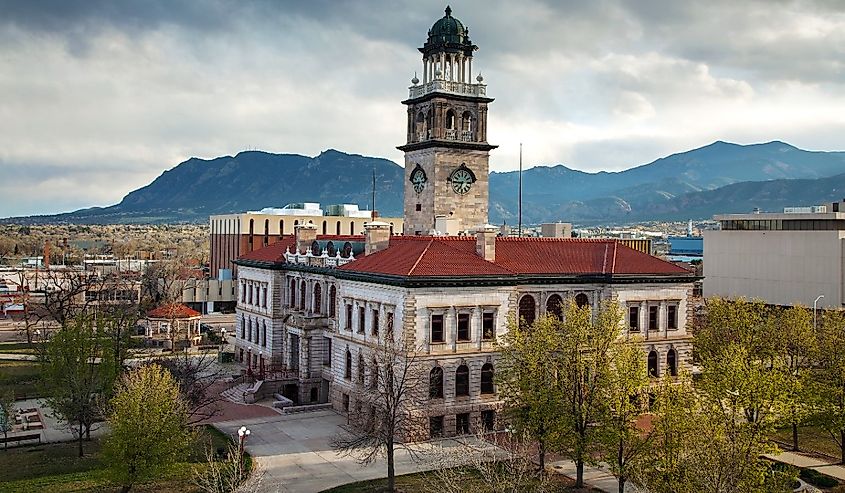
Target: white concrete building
{"x":783,"y":258}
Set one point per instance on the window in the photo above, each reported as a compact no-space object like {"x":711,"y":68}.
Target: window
{"x":554,"y":306}
{"x":463,"y":326}
{"x":672,"y":316}
{"x":581,"y":300}
{"x":243,"y":327}
{"x":487,"y":379}
{"x":488,"y":420}
{"x":315,"y":249}
{"x":634,"y":318}
{"x":250,"y":295}
{"x":672,"y":362}
{"x":435,"y":383}
{"x":462,"y":424}
{"x":264,"y":297}
{"x":302,"y":295}
{"x":243,"y":292}
{"x":462,"y":381}
{"x":389,"y":324}
{"x":346,"y":403}
{"x":435,"y":426}
{"x":332,"y":301}
{"x":437,"y":328}
{"x":488,"y":325}
{"x":362,"y":314}
{"x":263,"y":333}
{"x":349,"y":317}
{"x":527,"y":310}
{"x":292,"y":299}
{"x":362,"y":369}
{"x":347,"y":372}
{"x":327,"y":351}
{"x":652,"y":317}
{"x":652,"y":364}
{"x":375,"y":323}
{"x":318,"y":298}
{"x":419,"y":207}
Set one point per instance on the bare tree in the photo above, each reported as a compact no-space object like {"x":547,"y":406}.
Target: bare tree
{"x":476,"y":465}
{"x":383,"y":418}
{"x":195,"y":377}
{"x":227,"y":474}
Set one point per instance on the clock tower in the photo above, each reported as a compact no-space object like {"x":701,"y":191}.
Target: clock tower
{"x":446,"y":154}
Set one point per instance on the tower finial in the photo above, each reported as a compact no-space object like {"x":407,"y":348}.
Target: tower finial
{"x":448,"y":11}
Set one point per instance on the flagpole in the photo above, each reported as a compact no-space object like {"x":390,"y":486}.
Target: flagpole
{"x":520,"y":189}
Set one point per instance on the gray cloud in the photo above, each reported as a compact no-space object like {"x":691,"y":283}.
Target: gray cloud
{"x":98,"y":97}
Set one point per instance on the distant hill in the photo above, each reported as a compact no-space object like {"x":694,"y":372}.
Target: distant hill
{"x":718,"y":178}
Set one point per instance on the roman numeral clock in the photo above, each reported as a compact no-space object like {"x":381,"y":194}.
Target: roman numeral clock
{"x":446,"y":154}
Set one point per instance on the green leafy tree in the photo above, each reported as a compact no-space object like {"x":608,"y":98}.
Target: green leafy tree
{"x":77,"y":375}
{"x":528,"y":381}
{"x":586,"y":351}
{"x":623,"y":441}
{"x":7,"y":414}
{"x":830,"y":378}
{"x":148,"y":421}
{"x":734,"y":322}
{"x":796,"y":343}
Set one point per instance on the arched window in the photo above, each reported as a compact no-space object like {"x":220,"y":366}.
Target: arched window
{"x":332,"y":301}
{"x":554,"y":306}
{"x":391,"y":229}
{"x":302,"y":295}
{"x":652,"y":364}
{"x":672,"y":362}
{"x":351,"y":227}
{"x":325,"y":226}
{"x":338,"y":228}
{"x":435,"y":383}
{"x":450,"y":120}
{"x":420,"y":127}
{"x":292,"y":299}
{"x":281,"y":228}
{"x":347,"y":373}
{"x":462,"y":381}
{"x":266,"y":232}
{"x":296,"y":222}
{"x":362,"y":369}
{"x":581,"y":300}
{"x":527,"y":310}
{"x":487,"y":379}
{"x":330,"y":249}
{"x":315,"y":249}
{"x":347,"y":250}
{"x":466,"y":121}
{"x":318,"y":298}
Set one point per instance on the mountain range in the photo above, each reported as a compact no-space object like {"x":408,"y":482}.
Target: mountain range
{"x":718,"y":178}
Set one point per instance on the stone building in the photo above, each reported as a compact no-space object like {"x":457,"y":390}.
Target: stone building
{"x":313,"y":308}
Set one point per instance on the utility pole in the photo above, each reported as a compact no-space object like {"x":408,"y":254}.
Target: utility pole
{"x":520,"y":189}
{"x":373,"y":210}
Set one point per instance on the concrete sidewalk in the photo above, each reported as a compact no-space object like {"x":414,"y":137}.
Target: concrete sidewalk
{"x":599,"y":478}
{"x":827,"y":467}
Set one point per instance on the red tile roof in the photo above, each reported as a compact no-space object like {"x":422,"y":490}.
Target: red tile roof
{"x":455,"y":256}
{"x":174,"y":310}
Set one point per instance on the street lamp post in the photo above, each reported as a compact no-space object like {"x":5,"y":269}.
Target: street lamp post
{"x":815,"y":303}
{"x":243,"y":433}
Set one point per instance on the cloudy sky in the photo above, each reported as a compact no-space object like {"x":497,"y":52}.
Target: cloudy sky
{"x":98,"y":97}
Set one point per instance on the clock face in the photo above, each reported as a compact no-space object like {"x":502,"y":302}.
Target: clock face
{"x":462,"y":181}
{"x":418,"y":179}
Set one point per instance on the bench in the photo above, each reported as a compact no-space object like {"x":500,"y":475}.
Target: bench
{"x":20,"y":438}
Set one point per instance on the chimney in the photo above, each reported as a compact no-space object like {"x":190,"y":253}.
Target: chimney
{"x":376,"y":236}
{"x":305,"y":234}
{"x":485,"y":242}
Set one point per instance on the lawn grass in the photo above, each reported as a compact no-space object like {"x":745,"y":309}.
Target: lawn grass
{"x":426,"y":482}
{"x":56,"y":468}
{"x":20,"y":378}
{"x":812,"y":439}
{"x":17,"y":348}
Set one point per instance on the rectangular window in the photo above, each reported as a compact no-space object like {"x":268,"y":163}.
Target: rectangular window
{"x":375,"y":322}
{"x":349,"y":317}
{"x":488,"y":420}
{"x":652,"y":317}
{"x":463,"y":326}
{"x":672,"y":316}
{"x":437,"y":328}
{"x":389,"y":324}
{"x":435,"y":426}
{"x":263,"y":335}
{"x":488,"y":326}
{"x":634,"y":319}
{"x":362,"y":315}
{"x":462,"y":424}
{"x":327,"y":351}
{"x":346,"y":403}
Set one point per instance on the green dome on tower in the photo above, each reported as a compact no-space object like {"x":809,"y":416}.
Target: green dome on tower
{"x":448,"y":34}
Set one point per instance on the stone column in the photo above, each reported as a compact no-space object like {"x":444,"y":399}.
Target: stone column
{"x":450,"y":322}
{"x":475,"y":326}
{"x":469,"y":69}
{"x":426,"y":339}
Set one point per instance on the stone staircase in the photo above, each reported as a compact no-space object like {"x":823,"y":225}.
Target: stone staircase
{"x":236,"y":394}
